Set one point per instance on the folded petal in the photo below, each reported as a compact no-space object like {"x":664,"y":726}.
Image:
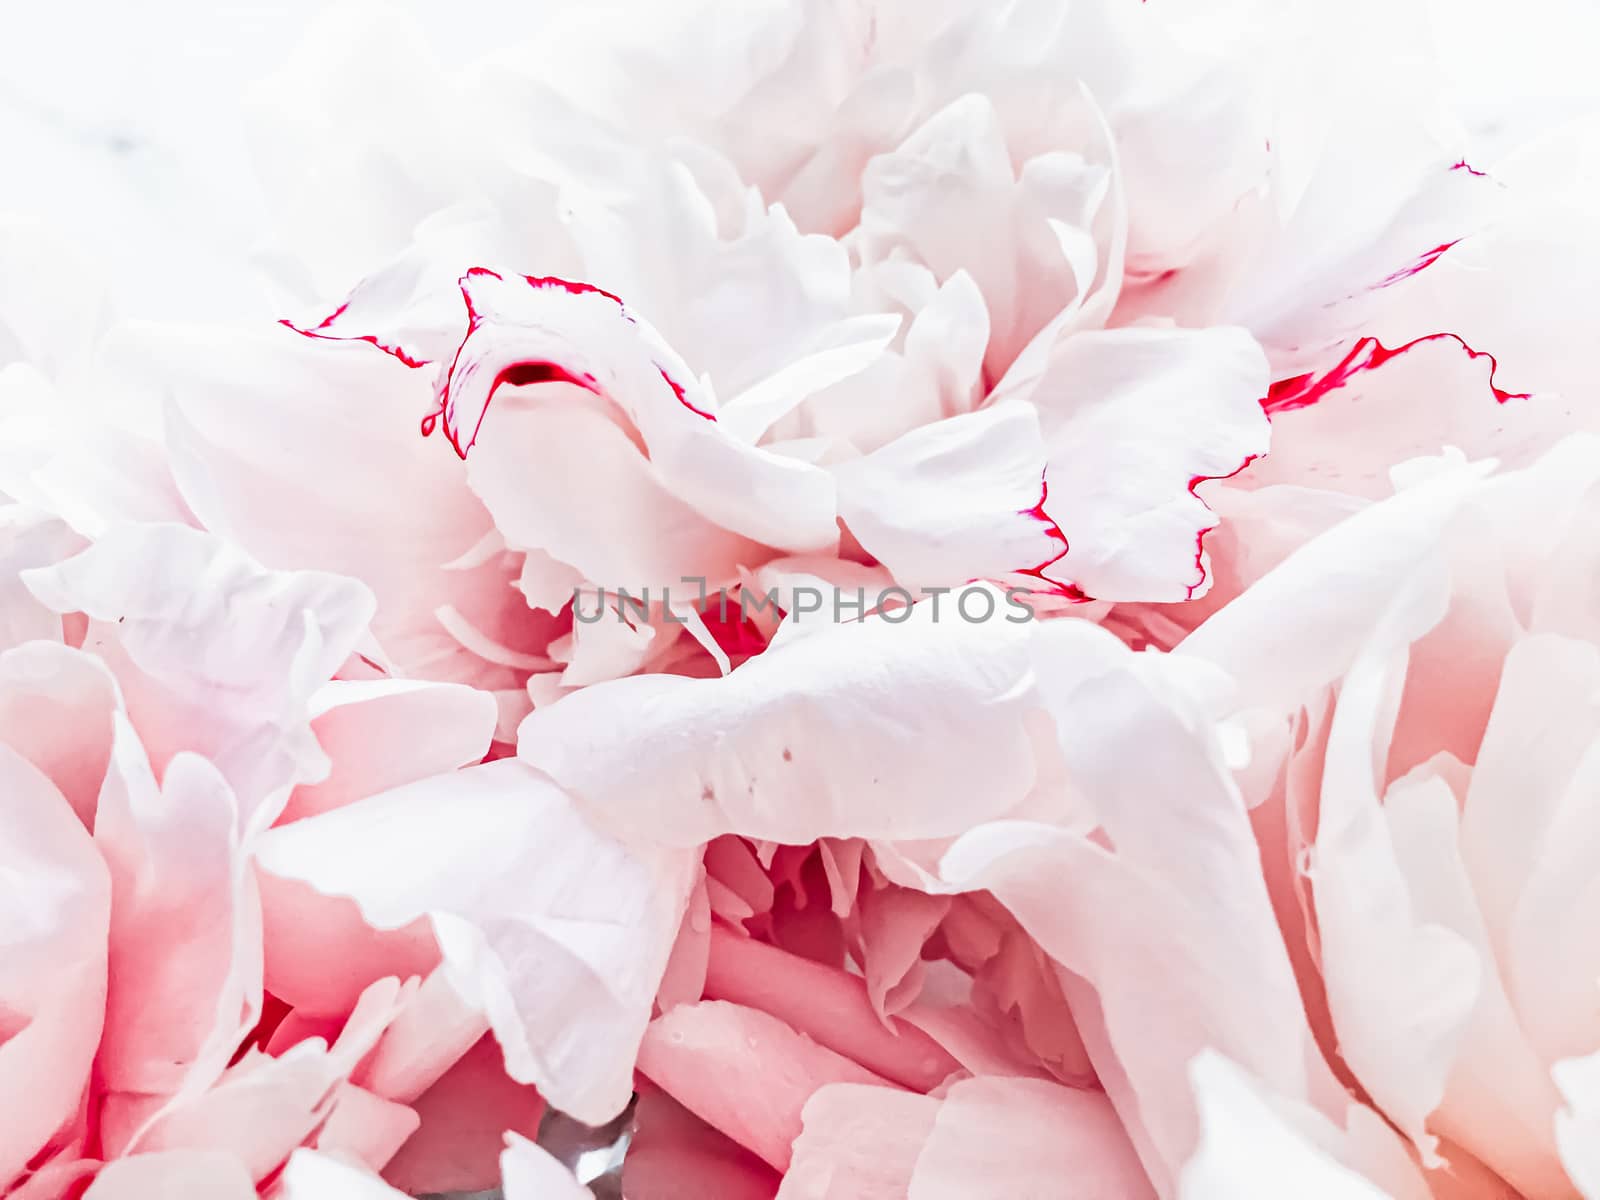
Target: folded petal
{"x":957,"y":500}
{"x":173,"y":1173}
{"x":212,"y":652}
{"x":1134,"y":420}
{"x":895,"y":729}
{"x":742,"y":1071}
{"x":565,"y":962}
{"x":53,"y":969}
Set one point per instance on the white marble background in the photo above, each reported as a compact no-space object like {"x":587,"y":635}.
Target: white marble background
{"x":121,"y":120}
{"x":122,"y":125}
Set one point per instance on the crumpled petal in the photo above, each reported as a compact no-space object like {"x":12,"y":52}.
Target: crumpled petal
{"x":211,"y":1173}
{"x":185,"y":954}
{"x":212,"y":652}
{"x":957,"y":500}
{"x":742,"y":1071}
{"x":1015,"y":1137}
{"x":883,"y":729}
{"x":564,"y":961}
{"x":379,"y":734}
{"x":1247,"y":1149}
{"x":1133,"y":421}
{"x":53,"y":969}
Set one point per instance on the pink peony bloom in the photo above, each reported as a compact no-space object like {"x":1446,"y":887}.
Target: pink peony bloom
{"x":390,"y":803}
{"x":166,"y":1019}
{"x":1424,"y":814}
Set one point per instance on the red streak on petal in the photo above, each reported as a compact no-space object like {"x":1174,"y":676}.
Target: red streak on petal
{"x":1463,"y":165}
{"x":1422,"y":264}
{"x":683,"y":399}
{"x":539,"y":371}
{"x":1200,"y":538}
{"x":1368,"y":354}
{"x":1070,"y":591}
{"x":578,"y":288}
{"x":369,"y":339}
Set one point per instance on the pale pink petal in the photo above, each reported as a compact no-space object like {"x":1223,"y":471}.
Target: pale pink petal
{"x":742,"y":1071}
{"x":432,"y":1030}
{"x":523,"y":330}
{"x":1578,"y":1125}
{"x":260,"y":423}
{"x":262,"y":1107}
{"x":887,"y":729}
{"x":174,"y":1175}
{"x":380,"y":734}
{"x":1338,"y":584}
{"x":365,"y":1127}
{"x":528,"y":1172}
{"x":830,"y":1006}
{"x":1172,"y":919}
{"x":864,"y":1139}
{"x":1540,"y":731}
{"x":57,"y":1177}
{"x":185,"y":946}
{"x":1019,"y":1137}
{"x":212,"y":652}
{"x":957,"y":500}
{"x":1344,"y":429}
{"x":895,"y":925}
{"x":318,"y":1175}
{"x":1134,"y":420}
{"x":319,"y":952}
{"x":1499,"y":1099}
{"x":566,"y":961}
{"x":1250,"y":1145}
{"x":950,"y":197}
{"x":53,"y":969}
{"x":1400,"y":989}
{"x":1013,"y":1137}
{"x":29,"y":539}
{"x":56,"y":708}
{"x":683,"y":981}
{"x":1540,"y":246}
{"x":259,"y":1111}
{"x":637,"y":530}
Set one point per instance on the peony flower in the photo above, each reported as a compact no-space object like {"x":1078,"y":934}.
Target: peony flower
{"x":1423,"y":818}
{"x":169,"y":1020}
{"x":393,"y":806}
{"x":694,"y":360}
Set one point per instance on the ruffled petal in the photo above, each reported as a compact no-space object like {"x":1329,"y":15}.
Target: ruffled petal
{"x":564,"y":962}
{"x":212,"y":652}
{"x":1134,"y":420}
{"x":53,"y":969}
{"x":894,"y":729}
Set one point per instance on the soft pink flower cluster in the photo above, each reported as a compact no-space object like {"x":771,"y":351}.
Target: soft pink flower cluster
{"x":412,"y":738}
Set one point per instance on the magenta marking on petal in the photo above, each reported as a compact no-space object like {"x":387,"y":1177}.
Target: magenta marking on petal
{"x":1200,"y":537}
{"x":1368,"y":354}
{"x":1464,"y":165}
{"x":369,"y":339}
{"x":1421,"y":264}
{"x":579,"y":288}
{"x":683,"y":398}
{"x":1069,"y":591}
